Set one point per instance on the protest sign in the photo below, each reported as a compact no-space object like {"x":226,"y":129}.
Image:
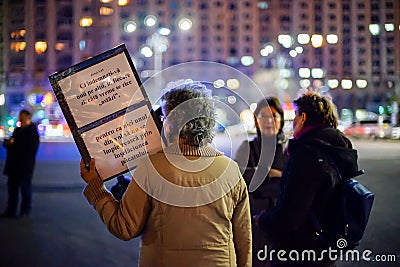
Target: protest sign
{"x":108,"y":111}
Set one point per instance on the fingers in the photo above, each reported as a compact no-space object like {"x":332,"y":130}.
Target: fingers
{"x":92,"y":163}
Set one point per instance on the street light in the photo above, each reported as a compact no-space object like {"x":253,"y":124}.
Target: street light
{"x":157,"y":43}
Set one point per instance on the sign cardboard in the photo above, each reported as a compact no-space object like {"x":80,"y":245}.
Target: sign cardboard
{"x":108,"y":111}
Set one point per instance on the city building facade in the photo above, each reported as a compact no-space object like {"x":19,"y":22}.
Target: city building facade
{"x":347,"y":48}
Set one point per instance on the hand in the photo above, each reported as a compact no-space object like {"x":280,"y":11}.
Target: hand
{"x":8,"y":142}
{"x":88,"y":175}
{"x":274,"y":173}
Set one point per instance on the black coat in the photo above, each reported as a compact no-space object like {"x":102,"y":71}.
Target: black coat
{"x":248,"y":157}
{"x":308,"y":187}
{"x":21,"y":154}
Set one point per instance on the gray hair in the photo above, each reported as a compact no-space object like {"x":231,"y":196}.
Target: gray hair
{"x":190,"y":113}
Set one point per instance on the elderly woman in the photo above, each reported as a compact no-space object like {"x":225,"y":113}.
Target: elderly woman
{"x":189,"y":201}
{"x":308,"y":182}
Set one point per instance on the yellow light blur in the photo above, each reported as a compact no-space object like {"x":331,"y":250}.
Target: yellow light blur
{"x":18,"y":46}
{"x":317,"y":73}
{"x":304,"y":72}
{"x":305,"y":83}
{"x":106,"y":1}
{"x":17,"y":34}
{"x":317,"y":40}
{"x":185,"y":24}
{"x":233,"y":84}
{"x":106,"y":11}
{"x":86,"y":22}
{"x":123,"y":2}
{"x":361,"y":83}
{"x":332,"y":39}
{"x":48,"y":98}
{"x":333,"y":83}
{"x":40,"y":47}
{"x":347,"y":84}
{"x":247,"y":118}
{"x":303,"y":38}
{"x":285,"y":40}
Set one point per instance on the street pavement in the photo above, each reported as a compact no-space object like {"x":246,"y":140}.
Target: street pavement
{"x":64,"y":230}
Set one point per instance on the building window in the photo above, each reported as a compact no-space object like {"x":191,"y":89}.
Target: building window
{"x":332,"y":28}
{"x":303,"y":4}
{"x":361,"y":5}
{"x":375,"y":6}
{"x":389,"y":16}
{"x":389,"y":5}
{"x":203,"y":6}
{"x":376,"y":52}
{"x":375,"y":19}
{"x":265,"y":18}
{"x":332,"y":5}
{"x":361,"y":28}
{"x":376,"y":63}
{"x":361,"y":16}
{"x":248,"y":27}
{"x":285,"y":19}
{"x":304,"y":27}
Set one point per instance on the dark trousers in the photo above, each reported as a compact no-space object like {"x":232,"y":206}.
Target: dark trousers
{"x":16,"y":183}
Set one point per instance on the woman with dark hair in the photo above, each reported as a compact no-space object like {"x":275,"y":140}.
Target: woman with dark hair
{"x":308,"y":182}
{"x":189,"y":201}
{"x":261,"y":161}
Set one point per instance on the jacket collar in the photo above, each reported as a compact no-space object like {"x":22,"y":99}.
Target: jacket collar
{"x":188,"y":150}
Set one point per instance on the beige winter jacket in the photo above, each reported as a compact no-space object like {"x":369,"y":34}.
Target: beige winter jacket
{"x":190,"y":205}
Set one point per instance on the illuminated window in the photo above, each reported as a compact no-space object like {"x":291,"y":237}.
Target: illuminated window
{"x":18,"y":46}
{"x":317,"y":40}
{"x":86,"y":22}
{"x":17,"y":34}
{"x":106,"y":11}
{"x":374,"y":29}
{"x":123,"y":2}
{"x":60,"y":46}
{"x":40,"y":47}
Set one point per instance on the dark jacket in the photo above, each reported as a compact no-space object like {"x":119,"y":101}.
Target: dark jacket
{"x":248,"y":158}
{"x":308,"y":183}
{"x":21,"y":154}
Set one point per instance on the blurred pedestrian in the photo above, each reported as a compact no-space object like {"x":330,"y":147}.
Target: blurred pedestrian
{"x":19,"y":166}
{"x":307,"y":183}
{"x":189,"y":201}
{"x":263,"y":158}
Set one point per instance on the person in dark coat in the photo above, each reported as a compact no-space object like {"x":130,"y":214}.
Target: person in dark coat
{"x":19,"y":166}
{"x":308,"y":183}
{"x":261,"y":161}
